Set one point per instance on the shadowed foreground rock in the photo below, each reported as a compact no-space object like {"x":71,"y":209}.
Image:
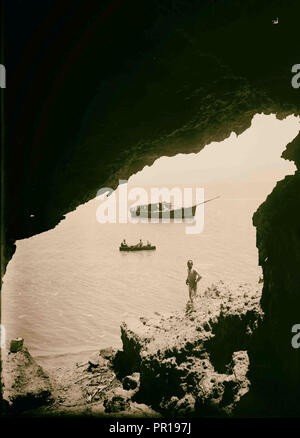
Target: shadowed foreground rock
{"x":26,"y":386}
{"x":193,"y":364}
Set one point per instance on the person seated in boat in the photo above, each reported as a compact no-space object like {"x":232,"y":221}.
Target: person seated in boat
{"x":124,"y":243}
{"x":140,"y":244}
{"x":148,"y":243}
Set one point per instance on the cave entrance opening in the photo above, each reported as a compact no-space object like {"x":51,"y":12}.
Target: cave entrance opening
{"x":68,"y":289}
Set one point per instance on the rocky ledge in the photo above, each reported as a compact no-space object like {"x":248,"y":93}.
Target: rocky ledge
{"x":26,"y":385}
{"x":195,"y":363}
{"x":189,"y":363}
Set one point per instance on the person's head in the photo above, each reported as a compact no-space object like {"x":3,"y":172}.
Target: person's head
{"x":190,"y":264}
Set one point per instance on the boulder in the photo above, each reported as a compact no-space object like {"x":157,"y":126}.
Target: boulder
{"x":107,"y":353}
{"x":26,"y":386}
{"x":16,"y":345}
{"x":117,"y":403}
{"x":131,"y":382}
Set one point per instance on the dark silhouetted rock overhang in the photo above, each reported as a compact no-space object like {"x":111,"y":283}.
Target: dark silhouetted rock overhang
{"x":96,"y":91}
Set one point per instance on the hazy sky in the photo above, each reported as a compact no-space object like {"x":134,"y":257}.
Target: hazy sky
{"x":252,"y":156}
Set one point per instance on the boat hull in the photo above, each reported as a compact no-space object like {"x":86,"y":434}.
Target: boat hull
{"x":137,"y":248}
{"x":180,"y":213}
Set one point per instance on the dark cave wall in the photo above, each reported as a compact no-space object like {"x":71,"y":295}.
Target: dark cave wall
{"x":97,"y":90}
{"x":278,"y":240}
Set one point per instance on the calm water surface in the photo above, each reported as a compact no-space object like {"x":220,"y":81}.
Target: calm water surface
{"x":67,"y":290}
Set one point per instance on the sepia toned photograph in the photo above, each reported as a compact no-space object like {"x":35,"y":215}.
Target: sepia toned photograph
{"x":150,"y":212}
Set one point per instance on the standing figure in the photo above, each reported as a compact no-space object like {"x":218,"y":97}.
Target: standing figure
{"x":192,"y":280}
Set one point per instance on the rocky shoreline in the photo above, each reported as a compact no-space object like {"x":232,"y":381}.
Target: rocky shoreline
{"x":193,"y":363}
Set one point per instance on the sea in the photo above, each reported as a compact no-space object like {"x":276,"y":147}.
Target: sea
{"x":67,"y":290}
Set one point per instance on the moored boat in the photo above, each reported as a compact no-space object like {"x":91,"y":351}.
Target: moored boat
{"x":163,"y":210}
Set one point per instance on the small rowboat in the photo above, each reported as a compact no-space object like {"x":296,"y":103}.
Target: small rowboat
{"x":137,"y":248}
